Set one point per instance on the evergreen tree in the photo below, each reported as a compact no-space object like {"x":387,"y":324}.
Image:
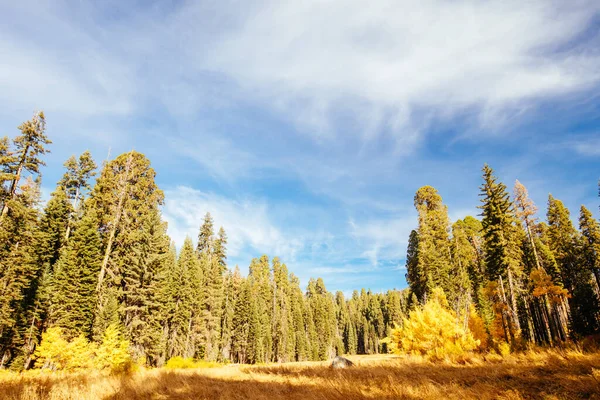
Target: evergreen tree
{"x":180,"y":297}
{"x":74,"y":283}
{"x":567,"y":246}
{"x":212,"y":255}
{"x":232,"y":286}
{"x":19,"y":268}
{"x":415,"y":276}
{"x":260,"y":280}
{"x":502,"y":246}
{"x":434,"y":255}
{"x":298,"y":309}
{"x":75,"y":181}
{"x":134,"y":245}
{"x":141,"y":286}
{"x":243,"y":317}
{"x":590,"y":229}
{"x":24,"y":157}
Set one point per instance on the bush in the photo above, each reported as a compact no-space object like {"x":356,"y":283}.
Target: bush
{"x":180,"y":362}
{"x":433,"y":331}
{"x":51,"y":353}
{"x":56,"y":353}
{"x":184,"y":363}
{"x":113,"y":353}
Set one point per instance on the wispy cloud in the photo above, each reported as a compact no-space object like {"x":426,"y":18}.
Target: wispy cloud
{"x":588,"y":146}
{"x":247,"y":222}
{"x":312,"y":59}
{"x":384,"y":238}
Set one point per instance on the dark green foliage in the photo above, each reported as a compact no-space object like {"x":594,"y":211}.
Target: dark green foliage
{"x":568,"y":247}
{"x":73,"y":295}
{"x":434,"y":252}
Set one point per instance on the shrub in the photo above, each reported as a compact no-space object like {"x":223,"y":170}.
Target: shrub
{"x":113,"y":353}
{"x":56,"y":353}
{"x":433,"y":331}
{"x":477,"y":328}
{"x":51,"y":353}
{"x":184,"y":363}
{"x":180,"y":362}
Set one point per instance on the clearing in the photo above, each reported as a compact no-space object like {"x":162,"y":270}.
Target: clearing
{"x":550,"y":375}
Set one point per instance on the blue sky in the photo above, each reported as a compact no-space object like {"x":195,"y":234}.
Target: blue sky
{"x":305,"y":127}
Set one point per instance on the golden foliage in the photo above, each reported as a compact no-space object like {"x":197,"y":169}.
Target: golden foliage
{"x":113,"y":353}
{"x":188,"y":363}
{"x":56,"y":353}
{"x":543,"y":285}
{"x":433,"y":331}
{"x":477,"y":328}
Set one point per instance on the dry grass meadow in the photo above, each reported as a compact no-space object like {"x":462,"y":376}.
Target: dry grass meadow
{"x":547,"y":375}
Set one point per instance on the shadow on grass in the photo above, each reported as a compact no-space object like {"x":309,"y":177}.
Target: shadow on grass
{"x":556,"y":377}
{"x":552,"y":377}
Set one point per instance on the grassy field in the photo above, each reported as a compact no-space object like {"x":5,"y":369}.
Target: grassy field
{"x":553,"y":375}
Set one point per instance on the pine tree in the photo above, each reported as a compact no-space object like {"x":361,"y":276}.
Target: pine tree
{"x":415,"y":276}
{"x":19,"y":268}
{"x":179,"y":298}
{"x":212,"y":256}
{"x":590,"y":229}
{"x":550,"y":323}
{"x":283,"y":346}
{"x":125,"y":190}
{"x":567,"y":246}
{"x":76,"y":181}
{"x":141,"y":288}
{"x":74,"y":282}
{"x":434,"y":255}
{"x":184,"y":317}
{"x":502,"y":246}
{"x":232,"y":287}
{"x":25,"y":156}
{"x":260,"y":279}
{"x":242,"y":319}
{"x":134,"y":245}
{"x":50,"y":241}
{"x":298,"y":308}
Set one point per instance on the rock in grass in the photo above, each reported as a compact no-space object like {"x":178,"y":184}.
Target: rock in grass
{"x":341,"y":362}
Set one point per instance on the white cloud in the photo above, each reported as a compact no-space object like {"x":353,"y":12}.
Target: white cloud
{"x":246,"y":222}
{"x":587,"y":146}
{"x":383,"y":238}
{"x":310,"y":58}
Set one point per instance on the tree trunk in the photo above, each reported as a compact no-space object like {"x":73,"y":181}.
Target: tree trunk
{"x":508,"y":325}
{"x":14,"y":185}
{"x":115,"y":222}
{"x":513,"y":302}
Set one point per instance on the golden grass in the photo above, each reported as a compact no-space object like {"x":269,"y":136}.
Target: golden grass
{"x":549,"y":375}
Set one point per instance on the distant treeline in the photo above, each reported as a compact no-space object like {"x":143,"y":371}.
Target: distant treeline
{"x":98,"y":258}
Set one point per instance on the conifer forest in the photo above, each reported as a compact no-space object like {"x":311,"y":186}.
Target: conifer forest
{"x":94,"y":267}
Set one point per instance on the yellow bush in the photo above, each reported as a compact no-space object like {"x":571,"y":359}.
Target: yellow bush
{"x":113,"y":353}
{"x":183,"y":363}
{"x":477,"y":328}
{"x":433,"y":331}
{"x":56,"y":353}
{"x":53,"y":350}
{"x":180,"y":362}
{"x":504,"y":349}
